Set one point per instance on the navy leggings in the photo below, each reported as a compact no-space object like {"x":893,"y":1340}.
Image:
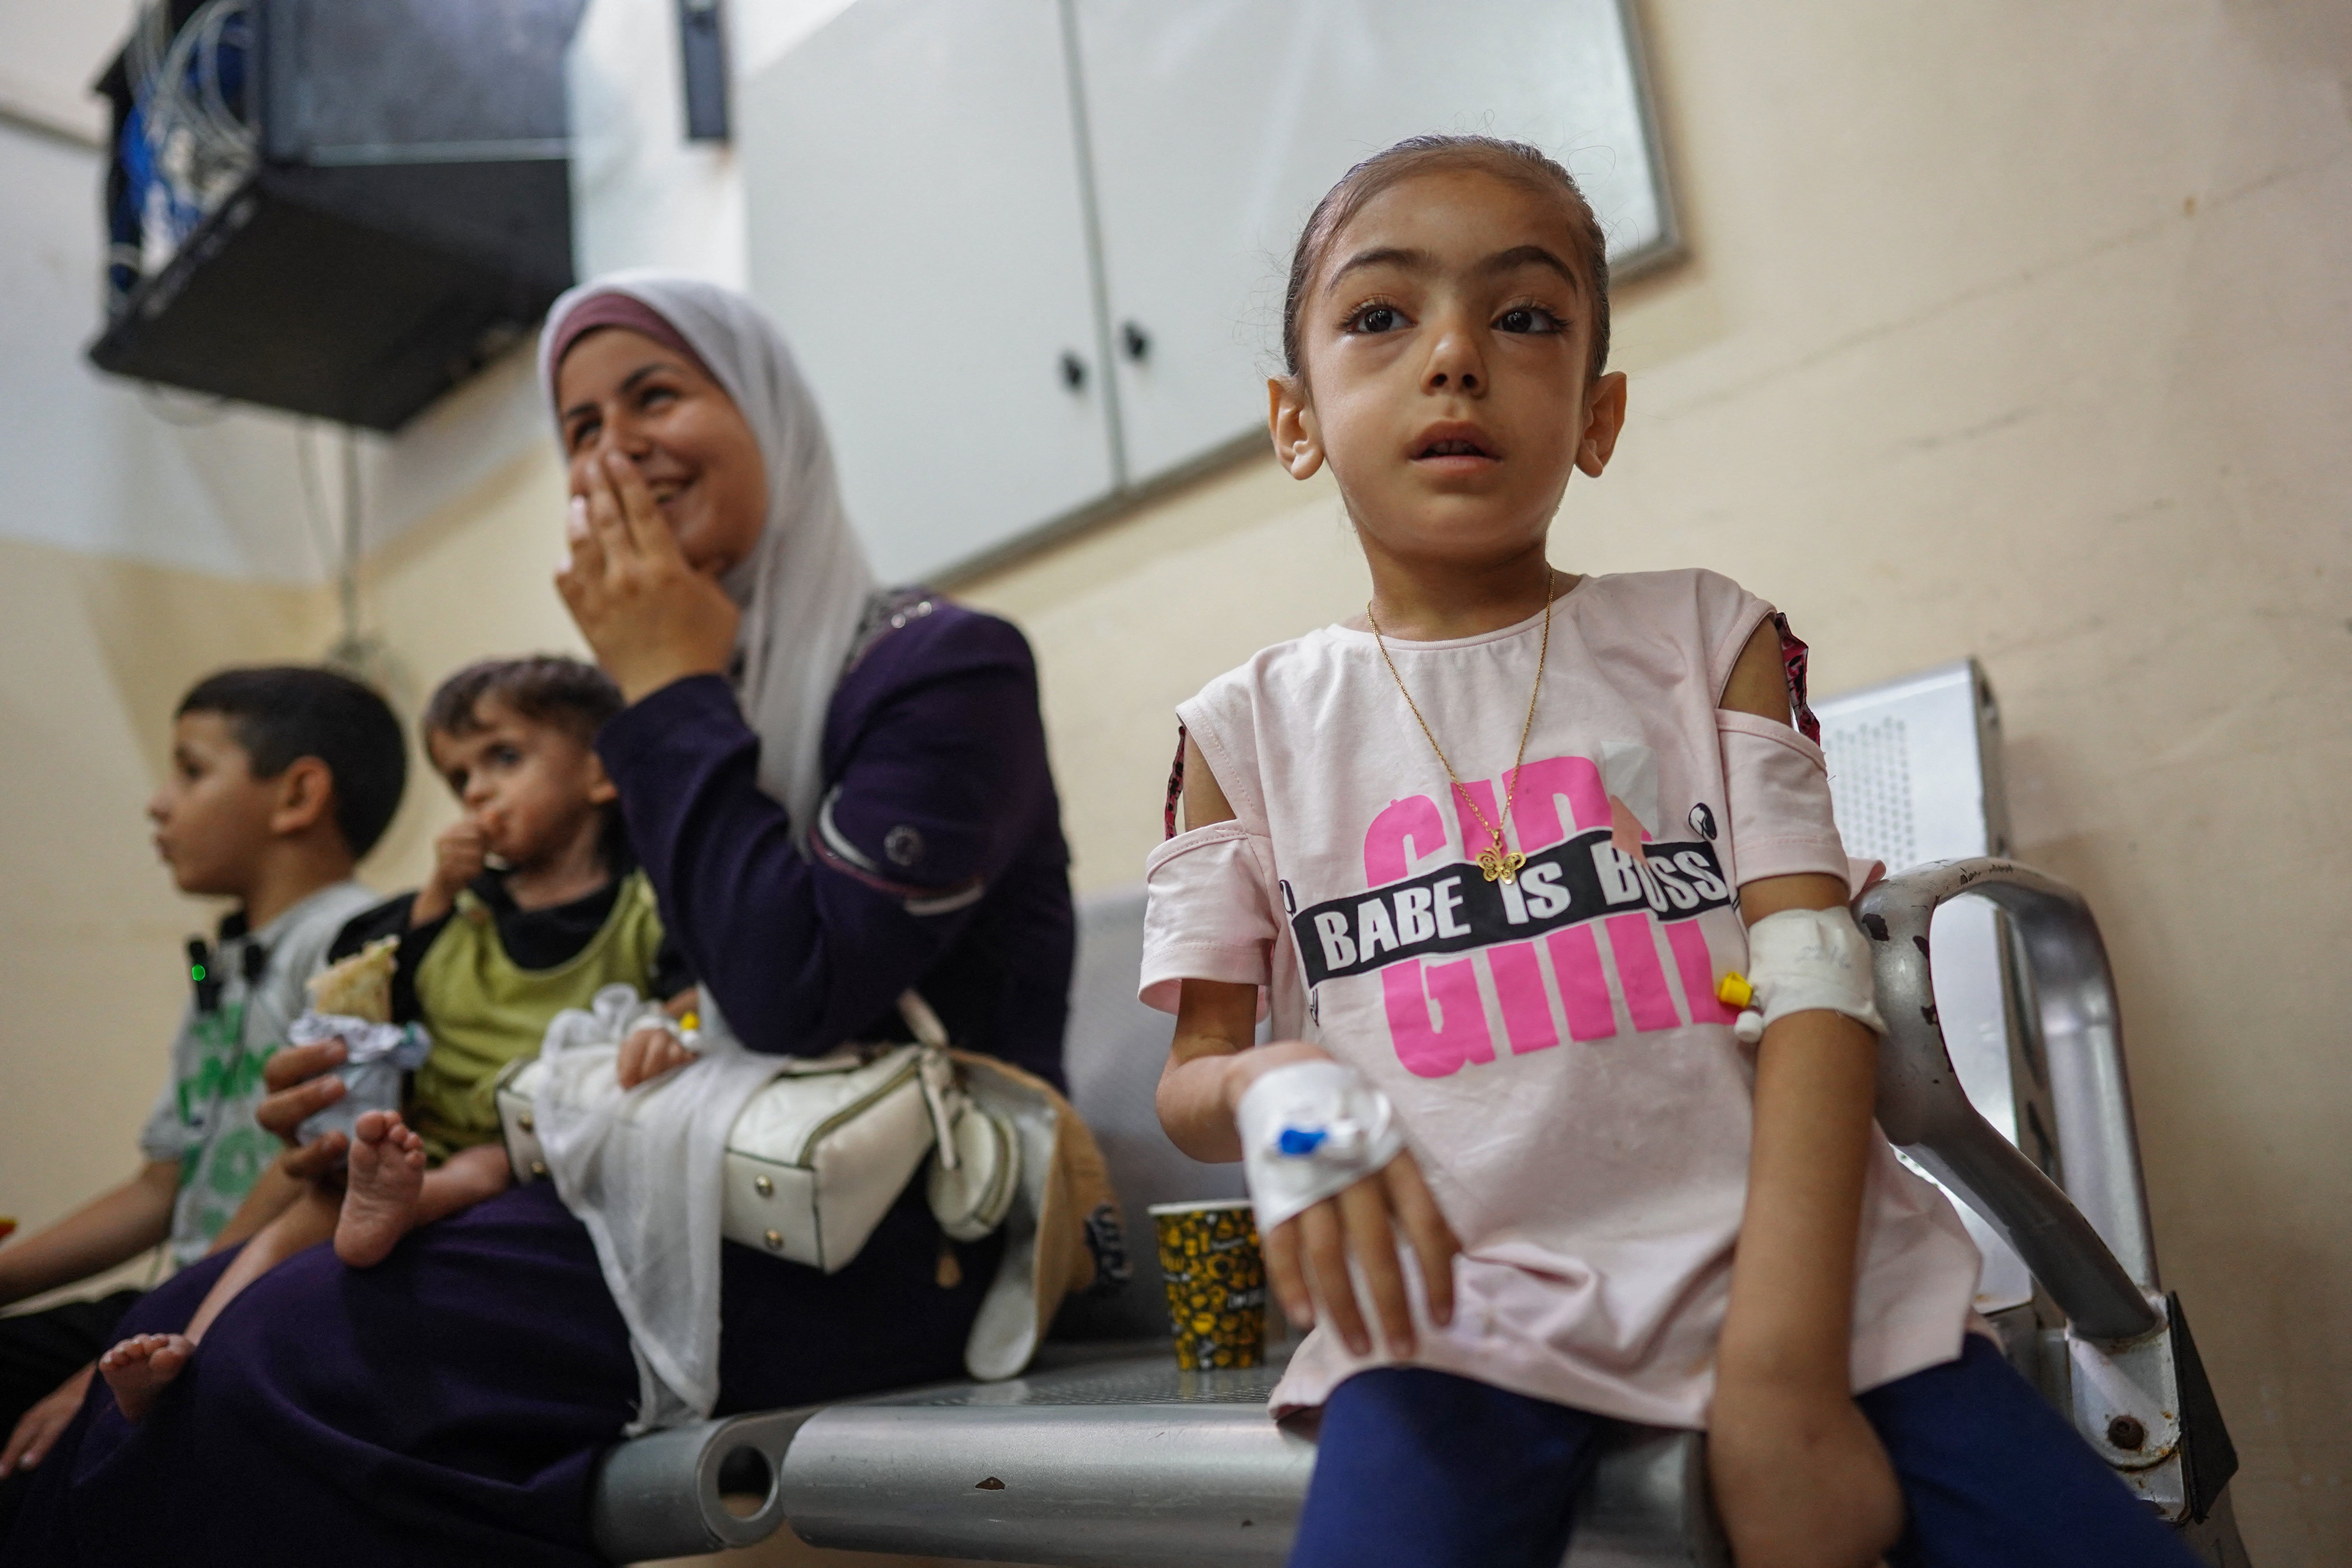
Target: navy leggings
{"x":1418,"y":1469}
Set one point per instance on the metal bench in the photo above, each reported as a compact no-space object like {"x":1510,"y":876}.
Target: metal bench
{"x":1106,"y":1457}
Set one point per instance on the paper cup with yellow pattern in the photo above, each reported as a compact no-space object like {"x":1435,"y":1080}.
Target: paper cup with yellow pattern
{"x":1216,"y":1282}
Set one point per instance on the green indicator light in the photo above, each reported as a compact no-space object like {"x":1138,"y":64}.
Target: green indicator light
{"x":196,"y":972}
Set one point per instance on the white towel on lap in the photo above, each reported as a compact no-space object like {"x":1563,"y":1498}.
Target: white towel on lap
{"x":642,"y":1169}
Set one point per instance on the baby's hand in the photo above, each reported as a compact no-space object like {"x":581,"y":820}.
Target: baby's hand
{"x":650,"y":1051}
{"x":457,"y":859}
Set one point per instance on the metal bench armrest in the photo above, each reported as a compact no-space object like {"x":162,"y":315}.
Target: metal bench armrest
{"x":2088,"y":1242}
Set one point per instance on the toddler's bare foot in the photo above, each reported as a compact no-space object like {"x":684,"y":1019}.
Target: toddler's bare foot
{"x":141,"y":1367}
{"x":387,"y":1171}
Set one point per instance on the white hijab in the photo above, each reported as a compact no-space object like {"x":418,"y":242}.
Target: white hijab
{"x":652,"y":1200}
{"x":804,"y":586}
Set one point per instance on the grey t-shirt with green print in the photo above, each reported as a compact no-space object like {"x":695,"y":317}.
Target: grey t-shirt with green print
{"x":204,"y":1118}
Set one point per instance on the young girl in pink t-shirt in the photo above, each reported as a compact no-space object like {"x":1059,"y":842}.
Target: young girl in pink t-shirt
{"x":1486,"y":854}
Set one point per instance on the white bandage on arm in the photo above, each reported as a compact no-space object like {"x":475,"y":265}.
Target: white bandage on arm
{"x":1309,"y":1130}
{"x":1802,"y":959}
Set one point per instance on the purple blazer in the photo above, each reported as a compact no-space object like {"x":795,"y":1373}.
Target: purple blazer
{"x":937,"y":860}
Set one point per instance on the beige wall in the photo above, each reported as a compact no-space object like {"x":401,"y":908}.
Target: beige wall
{"x":2019,"y":330}
{"x":476,"y":581}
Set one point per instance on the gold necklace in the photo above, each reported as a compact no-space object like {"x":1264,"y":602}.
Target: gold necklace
{"x":1500,"y":865}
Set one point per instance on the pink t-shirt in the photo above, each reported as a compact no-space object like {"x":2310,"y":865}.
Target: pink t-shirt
{"x":1557,"y":1059}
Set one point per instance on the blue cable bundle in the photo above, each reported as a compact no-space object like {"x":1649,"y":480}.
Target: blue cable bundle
{"x":185,"y":144}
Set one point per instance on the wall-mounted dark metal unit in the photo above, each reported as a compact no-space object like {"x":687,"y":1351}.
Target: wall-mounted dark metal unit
{"x":702,"y":51}
{"x":401,"y":213}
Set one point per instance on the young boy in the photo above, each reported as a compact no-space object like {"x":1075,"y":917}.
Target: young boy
{"x":280,"y":779}
{"x":534,"y":905}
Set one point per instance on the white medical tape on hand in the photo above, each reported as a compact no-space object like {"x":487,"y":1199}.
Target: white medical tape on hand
{"x":666,"y":1024}
{"x":1311,"y":1130}
{"x":1802,"y":959}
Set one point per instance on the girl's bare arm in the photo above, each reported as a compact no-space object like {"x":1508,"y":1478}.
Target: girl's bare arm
{"x":1799,"y":1476}
{"x":1792,"y":1313}
{"x":1211,"y":1065}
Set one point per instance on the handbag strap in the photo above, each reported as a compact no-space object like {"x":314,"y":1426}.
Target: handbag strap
{"x":942,"y":1094}
{"x":929,"y":1030}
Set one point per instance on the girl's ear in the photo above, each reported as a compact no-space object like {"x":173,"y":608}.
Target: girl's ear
{"x":1290,"y":419}
{"x":1604,"y":416}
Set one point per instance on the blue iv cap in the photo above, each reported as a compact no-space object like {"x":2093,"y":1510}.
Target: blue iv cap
{"x":1300,"y":1141}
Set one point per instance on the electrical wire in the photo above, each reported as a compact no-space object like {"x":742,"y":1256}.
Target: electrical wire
{"x":339,"y":541}
{"x":351,"y":647}
{"x":316,"y":521}
{"x":189,"y":411}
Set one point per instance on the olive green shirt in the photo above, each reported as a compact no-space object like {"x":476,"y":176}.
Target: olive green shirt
{"x":484,"y":1010}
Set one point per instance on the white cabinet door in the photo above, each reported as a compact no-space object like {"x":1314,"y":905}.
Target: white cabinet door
{"x":1216,"y":124}
{"x":914,"y":220}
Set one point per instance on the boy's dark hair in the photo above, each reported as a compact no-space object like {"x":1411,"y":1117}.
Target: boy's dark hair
{"x":281,"y":712}
{"x":547,"y":688}
{"x":1514,"y":161}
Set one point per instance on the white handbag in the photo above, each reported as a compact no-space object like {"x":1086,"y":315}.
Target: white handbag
{"x":820,"y":1155}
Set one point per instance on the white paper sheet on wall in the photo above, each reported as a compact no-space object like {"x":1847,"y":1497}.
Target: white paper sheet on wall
{"x":1915,"y":775}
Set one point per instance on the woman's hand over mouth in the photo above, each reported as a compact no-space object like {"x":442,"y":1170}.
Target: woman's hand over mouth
{"x":649,"y":617}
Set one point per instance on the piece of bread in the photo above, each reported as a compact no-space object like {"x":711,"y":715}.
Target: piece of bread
{"x":359,"y":986}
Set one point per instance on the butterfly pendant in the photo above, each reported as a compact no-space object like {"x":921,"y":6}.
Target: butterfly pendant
{"x":1501,"y":865}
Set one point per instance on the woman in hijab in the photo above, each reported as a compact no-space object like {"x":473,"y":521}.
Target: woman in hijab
{"x":840,"y":793}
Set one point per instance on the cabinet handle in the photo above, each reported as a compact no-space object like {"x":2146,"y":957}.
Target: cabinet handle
{"x":1138,"y":342}
{"x":1074,"y":371}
